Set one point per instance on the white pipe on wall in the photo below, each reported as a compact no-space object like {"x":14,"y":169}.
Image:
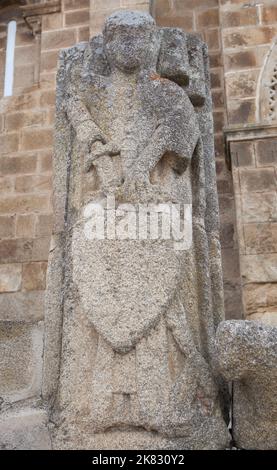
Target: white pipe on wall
{"x":9,"y":66}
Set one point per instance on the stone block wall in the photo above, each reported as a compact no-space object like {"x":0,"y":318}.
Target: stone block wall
{"x":248,"y":30}
{"x":254,"y":165}
{"x":26,"y":138}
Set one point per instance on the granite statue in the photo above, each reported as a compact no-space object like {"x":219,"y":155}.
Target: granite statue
{"x":129,"y":357}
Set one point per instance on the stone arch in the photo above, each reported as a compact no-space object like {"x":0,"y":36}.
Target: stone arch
{"x":267,"y":96}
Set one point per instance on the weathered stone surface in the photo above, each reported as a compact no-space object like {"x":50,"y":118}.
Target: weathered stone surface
{"x":258,"y":179}
{"x":242,"y":154}
{"x":34,"y":276}
{"x":259,"y":207}
{"x":242,"y":17}
{"x":10,"y":277}
{"x":24,"y":249}
{"x":260,"y":298}
{"x":266,"y":152}
{"x":232,"y":283}
{"x":25,"y":226}
{"x":260,"y":238}
{"x":25,"y":307}
{"x":20,"y":360}
{"x":267,"y":318}
{"x":130,"y":323}
{"x":242,"y":111}
{"x":19,"y":164}
{"x":259,"y":268}
{"x":7,"y":226}
{"x":247,"y":355}
{"x":24,"y":430}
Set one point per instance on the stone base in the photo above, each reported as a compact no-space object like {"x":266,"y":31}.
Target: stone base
{"x":24,"y":430}
{"x":256,"y":434}
{"x":142,"y":440}
{"x":247,"y":353}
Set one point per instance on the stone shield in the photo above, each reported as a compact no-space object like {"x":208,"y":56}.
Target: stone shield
{"x":125,"y":285}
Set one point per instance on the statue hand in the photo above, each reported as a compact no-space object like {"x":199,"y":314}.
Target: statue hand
{"x":87,"y":132}
{"x":137,"y":186}
{"x":98,"y":150}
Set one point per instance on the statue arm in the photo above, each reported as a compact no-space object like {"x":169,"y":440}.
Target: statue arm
{"x":177,"y":134}
{"x":177,"y":322}
{"x":79,"y":116}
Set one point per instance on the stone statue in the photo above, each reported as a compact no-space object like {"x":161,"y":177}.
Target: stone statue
{"x":247,"y":357}
{"x":131,"y":321}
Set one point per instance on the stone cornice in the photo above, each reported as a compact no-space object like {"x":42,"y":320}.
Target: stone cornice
{"x":32,"y":12}
{"x":41,"y":7}
{"x":29,"y":10}
{"x":248,"y":132}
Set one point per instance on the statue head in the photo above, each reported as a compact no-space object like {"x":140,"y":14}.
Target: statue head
{"x":128,"y":39}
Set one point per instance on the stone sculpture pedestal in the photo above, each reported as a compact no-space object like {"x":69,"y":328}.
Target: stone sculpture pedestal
{"x":247,"y":353}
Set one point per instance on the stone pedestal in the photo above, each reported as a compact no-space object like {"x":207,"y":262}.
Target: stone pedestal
{"x":247,"y":354}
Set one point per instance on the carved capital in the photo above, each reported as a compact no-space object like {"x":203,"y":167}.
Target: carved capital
{"x":32,"y":12}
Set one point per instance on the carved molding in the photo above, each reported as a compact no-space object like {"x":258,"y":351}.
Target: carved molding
{"x":246,"y":133}
{"x":30,"y":10}
{"x":40,"y":7}
{"x":267,"y":97}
